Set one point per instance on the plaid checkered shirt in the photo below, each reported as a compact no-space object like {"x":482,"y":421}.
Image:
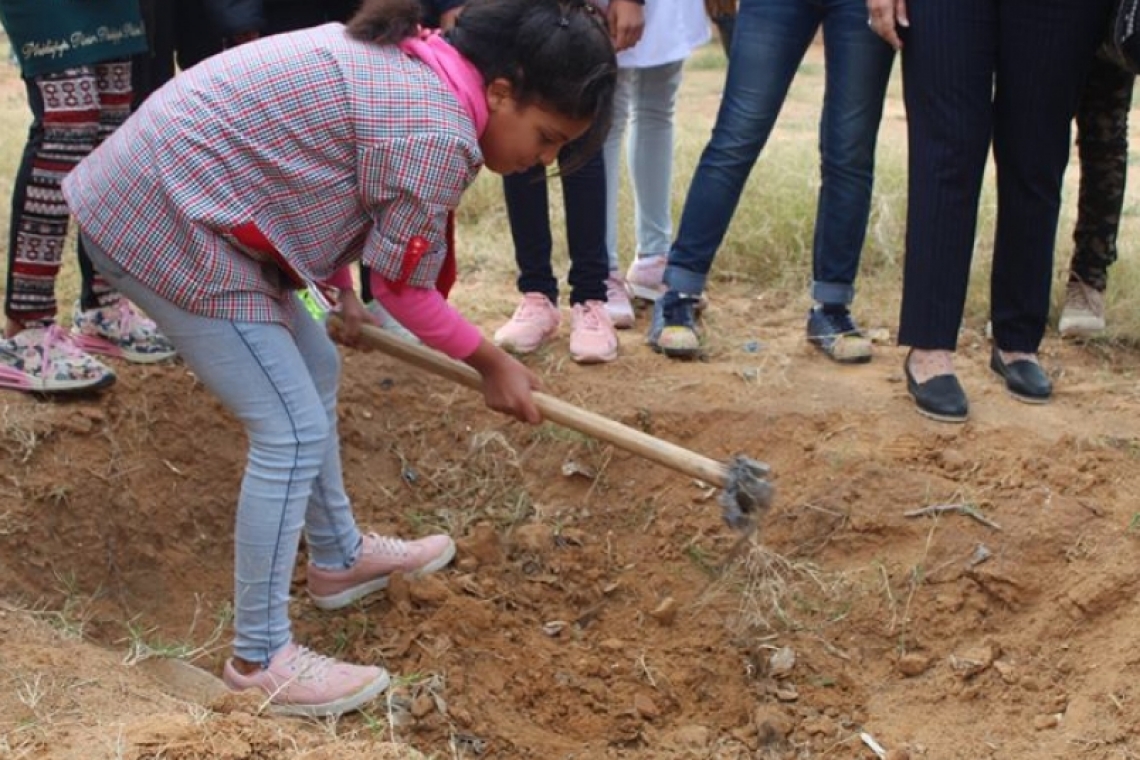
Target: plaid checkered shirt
{"x":335,"y":149}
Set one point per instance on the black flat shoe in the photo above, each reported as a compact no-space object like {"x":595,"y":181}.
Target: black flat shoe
{"x":939,"y":398}
{"x":1025,"y":380}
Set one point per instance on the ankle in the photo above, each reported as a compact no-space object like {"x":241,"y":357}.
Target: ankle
{"x":13,"y":328}
{"x":925,"y":364}
{"x":1008,"y":357}
{"x":245,"y":667}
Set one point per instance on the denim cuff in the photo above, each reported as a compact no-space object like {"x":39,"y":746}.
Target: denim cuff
{"x":684,"y":281}
{"x":832,"y":292}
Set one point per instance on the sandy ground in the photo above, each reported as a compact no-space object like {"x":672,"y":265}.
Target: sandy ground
{"x":598,"y":606}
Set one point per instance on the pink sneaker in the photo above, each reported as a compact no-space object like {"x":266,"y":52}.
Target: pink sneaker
{"x":534,"y":322}
{"x":592,"y":336}
{"x":379,"y":558}
{"x":645,"y":277}
{"x":617,"y":301}
{"x":120,"y":330}
{"x":299,"y":681}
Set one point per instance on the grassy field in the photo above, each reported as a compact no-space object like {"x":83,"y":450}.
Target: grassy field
{"x":769,"y":242}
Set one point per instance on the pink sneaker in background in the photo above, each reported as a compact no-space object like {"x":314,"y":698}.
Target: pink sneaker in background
{"x":534,"y":322}
{"x":618,"y":305}
{"x":299,"y":681}
{"x":592,"y":336}
{"x":380,"y":556}
{"x":645,"y":277}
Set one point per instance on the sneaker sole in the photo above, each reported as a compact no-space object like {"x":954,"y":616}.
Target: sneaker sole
{"x":853,"y":359}
{"x":1080,"y":331}
{"x":677,"y":353}
{"x":595,"y":358}
{"x":95,"y":345}
{"x":29,"y":384}
{"x":348,"y":596}
{"x":336,"y":707}
{"x":521,"y":349}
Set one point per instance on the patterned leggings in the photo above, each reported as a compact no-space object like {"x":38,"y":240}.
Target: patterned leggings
{"x":1102,"y":142}
{"x":73,"y":111}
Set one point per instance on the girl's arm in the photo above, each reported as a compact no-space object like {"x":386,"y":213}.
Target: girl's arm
{"x":429,"y":317}
{"x":507,"y":383}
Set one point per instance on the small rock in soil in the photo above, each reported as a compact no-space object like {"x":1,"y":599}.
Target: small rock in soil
{"x":482,"y":545}
{"x":781,"y":662}
{"x":645,"y":707}
{"x":913,"y":664}
{"x":665,"y":612}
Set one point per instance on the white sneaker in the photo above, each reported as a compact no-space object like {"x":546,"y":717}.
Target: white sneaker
{"x":1083,"y":313}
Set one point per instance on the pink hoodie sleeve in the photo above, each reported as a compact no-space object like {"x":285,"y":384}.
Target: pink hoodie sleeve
{"x":429,"y":317}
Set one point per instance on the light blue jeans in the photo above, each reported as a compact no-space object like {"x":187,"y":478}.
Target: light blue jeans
{"x":645,"y":99}
{"x":281,"y":383}
{"x":768,"y":46}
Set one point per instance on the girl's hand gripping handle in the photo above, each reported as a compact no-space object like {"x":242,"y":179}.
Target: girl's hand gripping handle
{"x":507,"y":382}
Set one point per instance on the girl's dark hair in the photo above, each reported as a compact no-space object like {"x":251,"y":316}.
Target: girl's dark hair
{"x":554,"y":53}
{"x":385,"y":21}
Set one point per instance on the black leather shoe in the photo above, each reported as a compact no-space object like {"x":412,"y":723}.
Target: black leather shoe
{"x":1025,"y":380}
{"x":939,"y":398}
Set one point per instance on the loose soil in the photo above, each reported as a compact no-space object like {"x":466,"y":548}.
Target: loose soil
{"x":598,"y":606}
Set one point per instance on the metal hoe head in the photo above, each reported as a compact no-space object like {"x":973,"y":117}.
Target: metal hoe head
{"x":746,"y":495}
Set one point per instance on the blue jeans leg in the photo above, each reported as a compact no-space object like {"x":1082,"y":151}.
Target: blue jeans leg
{"x":858,"y":69}
{"x":769,"y":41}
{"x":281,"y":384}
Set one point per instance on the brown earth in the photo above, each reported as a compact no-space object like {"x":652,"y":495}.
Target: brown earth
{"x":602,"y":614}
{"x":607,"y":612}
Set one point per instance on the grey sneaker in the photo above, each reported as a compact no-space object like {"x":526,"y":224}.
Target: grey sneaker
{"x":673,"y":330}
{"x":1083,"y":313}
{"x":836,"y":334}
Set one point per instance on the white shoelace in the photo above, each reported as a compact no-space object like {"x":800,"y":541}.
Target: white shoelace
{"x":386,"y":545}
{"x":309,"y":665}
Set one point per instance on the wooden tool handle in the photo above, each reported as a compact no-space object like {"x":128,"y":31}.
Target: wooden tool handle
{"x":575,"y":418}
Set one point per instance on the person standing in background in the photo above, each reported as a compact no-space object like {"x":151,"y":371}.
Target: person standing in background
{"x":75,"y":58}
{"x":982,"y":74}
{"x":181,"y":34}
{"x":770,"y":41}
{"x":649,"y":76}
{"x":536,"y":320}
{"x":1102,"y":146}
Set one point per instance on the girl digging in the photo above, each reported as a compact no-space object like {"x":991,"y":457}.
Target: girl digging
{"x":274,"y":166}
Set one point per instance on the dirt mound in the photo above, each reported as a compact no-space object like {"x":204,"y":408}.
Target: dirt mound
{"x":598,"y":606}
